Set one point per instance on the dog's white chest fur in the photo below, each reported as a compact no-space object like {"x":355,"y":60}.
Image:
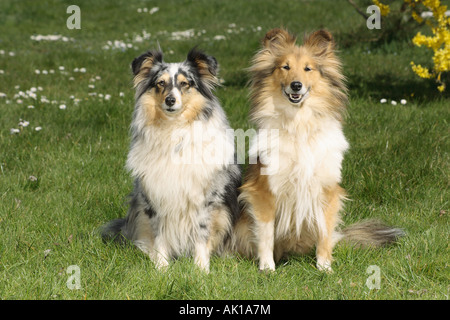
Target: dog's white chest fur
{"x":176,"y":168}
{"x":301,"y":161}
{"x":188,"y":156}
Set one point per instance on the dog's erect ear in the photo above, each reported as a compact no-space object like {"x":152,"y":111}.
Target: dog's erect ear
{"x":146,"y":61}
{"x":206,"y":66}
{"x":321,"y":42}
{"x":277,"y":38}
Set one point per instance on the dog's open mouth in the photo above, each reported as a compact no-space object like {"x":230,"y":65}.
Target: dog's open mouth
{"x":296,"y":98}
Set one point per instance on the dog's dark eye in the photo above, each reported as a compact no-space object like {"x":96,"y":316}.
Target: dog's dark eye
{"x":286,"y":67}
{"x":308,"y":69}
{"x":183,"y":84}
{"x":161,"y":83}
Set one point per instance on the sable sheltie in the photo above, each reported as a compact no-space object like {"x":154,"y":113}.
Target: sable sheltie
{"x":291,"y":195}
{"x":185,"y":193}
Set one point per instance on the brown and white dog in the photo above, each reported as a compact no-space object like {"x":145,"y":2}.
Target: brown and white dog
{"x":292,"y":194}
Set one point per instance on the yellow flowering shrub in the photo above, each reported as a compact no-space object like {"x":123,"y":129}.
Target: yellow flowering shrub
{"x":384,"y":8}
{"x":439,"y":42}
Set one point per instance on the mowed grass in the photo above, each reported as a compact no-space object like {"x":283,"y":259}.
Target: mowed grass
{"x":60,"y":184}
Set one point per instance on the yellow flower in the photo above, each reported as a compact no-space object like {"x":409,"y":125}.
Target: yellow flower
{"x":384,"y":8}
{"x":439,"y":41}
{"x":421,"y":71}
{"x":416,"y":17}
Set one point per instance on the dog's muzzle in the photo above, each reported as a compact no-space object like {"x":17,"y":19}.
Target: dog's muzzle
{"x":172,"y":104}
{"x":296,"y":92}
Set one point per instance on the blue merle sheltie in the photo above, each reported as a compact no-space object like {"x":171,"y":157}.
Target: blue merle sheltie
{"x":182,"y":158}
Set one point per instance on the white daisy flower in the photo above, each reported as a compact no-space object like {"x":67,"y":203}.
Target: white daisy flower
{"x":383,"y":100}
{"x":403,"y":101}
{"x":219,"y":37}
{"x":394,"y":103}
{"x":62,"y":106}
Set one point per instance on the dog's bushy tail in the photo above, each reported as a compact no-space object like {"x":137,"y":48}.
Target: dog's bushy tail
{"x":112,"y":231}
{"x":370,"y":233}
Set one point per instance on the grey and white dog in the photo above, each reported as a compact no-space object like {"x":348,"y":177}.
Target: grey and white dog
{"x":182,"y":158}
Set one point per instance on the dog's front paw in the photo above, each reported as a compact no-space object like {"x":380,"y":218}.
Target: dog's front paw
{"x":324,"y":265}
{"x":267,"y":266}
{"x":161,"y":263}
{"x":203,"y":265}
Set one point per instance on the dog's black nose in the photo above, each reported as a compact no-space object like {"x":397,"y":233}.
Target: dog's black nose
{"x":170,"y":101}
{"x":296,"y":85}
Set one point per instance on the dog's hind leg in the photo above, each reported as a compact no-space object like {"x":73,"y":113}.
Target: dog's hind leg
{"x":326,"y":241}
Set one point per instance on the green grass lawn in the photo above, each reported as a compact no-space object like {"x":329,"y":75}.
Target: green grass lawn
{"x":62,"y":175}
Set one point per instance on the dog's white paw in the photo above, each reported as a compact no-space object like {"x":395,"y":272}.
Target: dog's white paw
{"x":324,"y":265}
{"x":267,"y":266}
{"x":161,"y":263}
{"x":203,"y":265}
